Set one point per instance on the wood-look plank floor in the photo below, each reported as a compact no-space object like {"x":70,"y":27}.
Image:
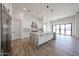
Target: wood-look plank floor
{"x":62,"y":46}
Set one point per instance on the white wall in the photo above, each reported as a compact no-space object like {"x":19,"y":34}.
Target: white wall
{"x":16,"y":25}
{"x":16,"y":29}
{"x":70,"y":19}
{"x":77,"y":25}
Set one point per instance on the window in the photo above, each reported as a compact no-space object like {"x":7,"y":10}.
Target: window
{"x":65,"y":29}
{"x":44,"y":28}
{"x":57,"y":29}
{"x":62,"y":29}
{"x":68,"y":29}
{"x":54,"y":28}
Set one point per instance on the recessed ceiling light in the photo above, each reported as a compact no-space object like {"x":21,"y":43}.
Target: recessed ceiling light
{"x":24,"y":8}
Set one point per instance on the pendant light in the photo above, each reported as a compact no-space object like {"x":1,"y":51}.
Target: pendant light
{"x":47,"y":13}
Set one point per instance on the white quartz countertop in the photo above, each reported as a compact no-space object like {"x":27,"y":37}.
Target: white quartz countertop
{"x":40,"y":33}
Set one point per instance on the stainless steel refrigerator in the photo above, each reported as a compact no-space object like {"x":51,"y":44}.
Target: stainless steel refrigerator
{"x":5,"y":31}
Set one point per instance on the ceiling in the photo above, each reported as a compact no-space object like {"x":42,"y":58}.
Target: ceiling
{"x":39,"y":10}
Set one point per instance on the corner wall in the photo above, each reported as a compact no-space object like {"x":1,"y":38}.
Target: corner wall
{"x":77,"y":25}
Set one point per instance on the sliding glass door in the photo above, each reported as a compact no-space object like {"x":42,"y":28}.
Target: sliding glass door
{"x":68,"y":29}
{"x":65,"y":29}
{"x":57,"y":29}
{"x":62,"y":29}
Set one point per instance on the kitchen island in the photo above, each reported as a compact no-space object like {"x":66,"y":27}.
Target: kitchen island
{"x":39,"y":38}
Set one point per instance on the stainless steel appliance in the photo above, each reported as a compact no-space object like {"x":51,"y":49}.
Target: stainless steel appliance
{"x":5,"y":22}
{"x":0,"y":29}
